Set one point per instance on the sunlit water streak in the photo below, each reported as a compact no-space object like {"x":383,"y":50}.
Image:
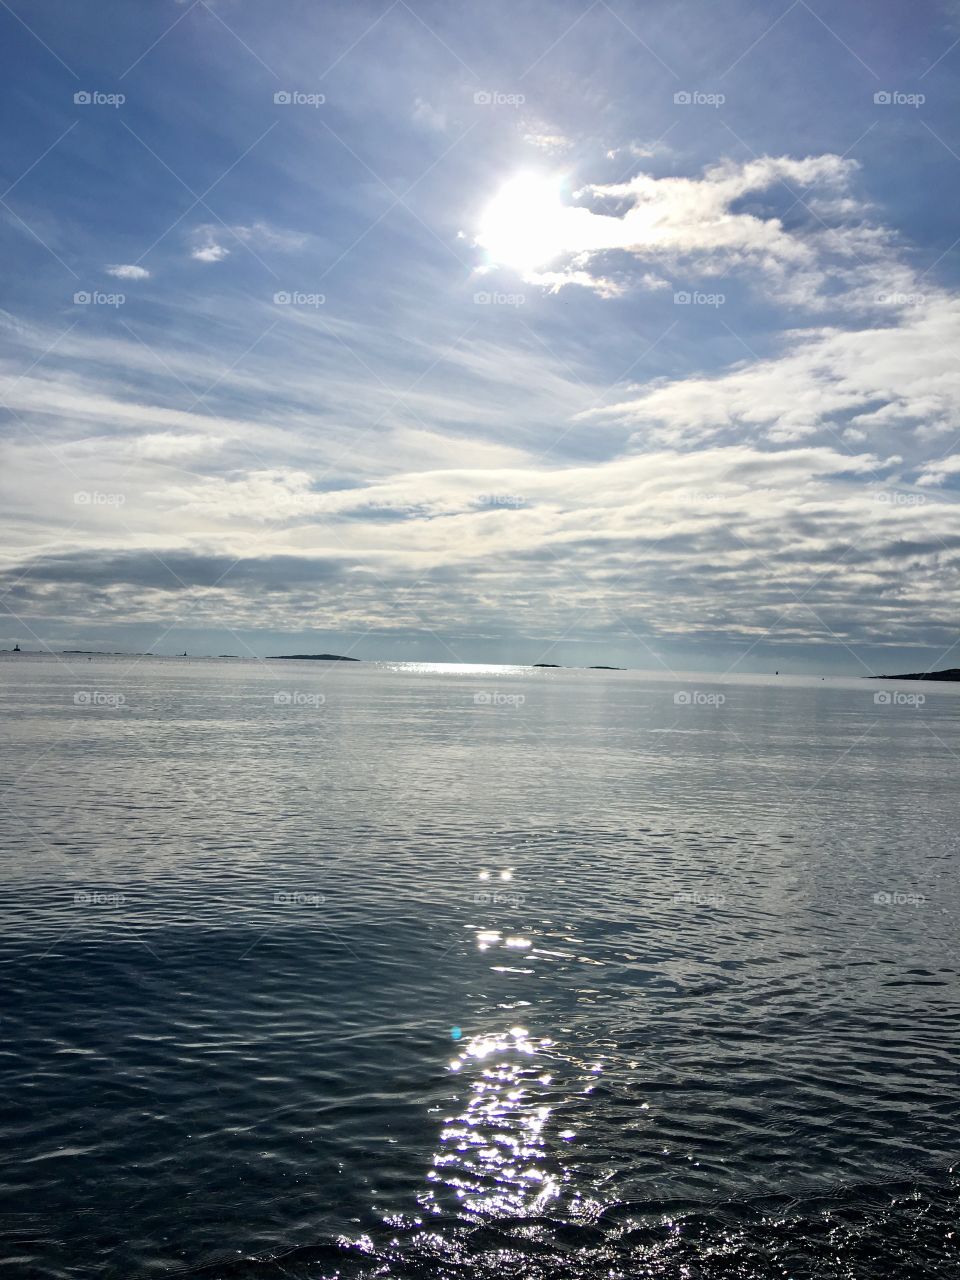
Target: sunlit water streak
{"x":493,"y":1154}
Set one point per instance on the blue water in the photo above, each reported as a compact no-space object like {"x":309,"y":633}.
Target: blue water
{"x":395,"y":970}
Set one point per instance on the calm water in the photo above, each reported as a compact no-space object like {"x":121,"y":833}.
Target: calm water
{"x":322,"y":970}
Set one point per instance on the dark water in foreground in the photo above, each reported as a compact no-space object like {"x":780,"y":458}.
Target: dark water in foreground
{"x":404,"y":984}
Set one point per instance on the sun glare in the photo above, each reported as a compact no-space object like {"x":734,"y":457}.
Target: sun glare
{"x":523,"y":225}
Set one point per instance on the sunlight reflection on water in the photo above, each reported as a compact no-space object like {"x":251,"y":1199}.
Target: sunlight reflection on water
{"x":493,"y":1154}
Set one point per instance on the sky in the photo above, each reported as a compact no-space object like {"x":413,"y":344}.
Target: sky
{"x":533,"y":332}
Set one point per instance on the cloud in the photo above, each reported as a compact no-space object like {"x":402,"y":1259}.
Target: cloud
{"x":640,"y":150}
{"x":895,"y":382}
{"x":210,"y":240}
{"x":267,"y":236}
{"x":209,"y":253}
{"x":431,"y":117}
{"x":128,"y":271}
{"x":551,"y":143}
{"x":940,"y":470}
{"x":725,"y":542}
{"x":670,"y":221}
{"x":164,"y":446}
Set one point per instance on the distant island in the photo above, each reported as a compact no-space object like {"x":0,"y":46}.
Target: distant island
{"x":952,"y":673}
{"x":309,"y":657}
{"x":101,"y":653}
{"x":556,"y":666}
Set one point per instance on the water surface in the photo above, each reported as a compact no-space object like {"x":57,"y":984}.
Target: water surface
{"x":400,"y":970}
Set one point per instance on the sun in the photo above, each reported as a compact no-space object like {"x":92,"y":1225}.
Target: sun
{"x":523,"y":227}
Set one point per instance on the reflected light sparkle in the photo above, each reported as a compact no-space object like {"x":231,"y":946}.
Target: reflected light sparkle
{"x":493,"y":1157}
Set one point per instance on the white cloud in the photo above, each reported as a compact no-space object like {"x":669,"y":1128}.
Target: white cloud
{"x":262,"y":233}
{"x":168,"y":446}
{"x":938,"y":471}
{"x":885,"y":381}
{"x":551,"y":143}
{"x":528,"y":224}
{"x":211,"y":240}
{"x":640,"y":150}
{"x":726,"y":541}
{"x":210,"y":253}
{"x":128,"y":271}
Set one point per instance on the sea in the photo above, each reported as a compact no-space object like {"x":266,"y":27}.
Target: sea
{"x":316,"y":969}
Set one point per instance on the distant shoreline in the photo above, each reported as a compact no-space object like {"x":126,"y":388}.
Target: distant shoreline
{"x":950,"y":674}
